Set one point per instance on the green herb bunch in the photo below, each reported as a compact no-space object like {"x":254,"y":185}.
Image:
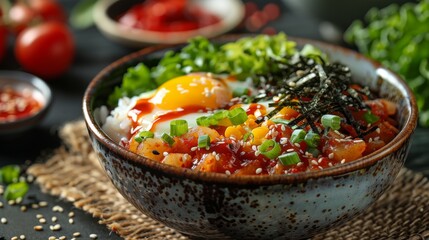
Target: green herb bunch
{"x":398,"y":37}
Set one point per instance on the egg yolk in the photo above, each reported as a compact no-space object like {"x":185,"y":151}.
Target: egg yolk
{"x":198,"y":90}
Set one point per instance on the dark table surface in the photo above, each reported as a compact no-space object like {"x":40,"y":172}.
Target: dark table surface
{"x":93,"y":53}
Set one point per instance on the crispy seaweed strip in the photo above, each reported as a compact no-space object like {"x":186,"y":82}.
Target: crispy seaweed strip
{"x":311,"y":88}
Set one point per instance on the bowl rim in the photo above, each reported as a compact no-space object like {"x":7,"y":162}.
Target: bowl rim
{"x":37,"y":84}
{"x":220,"y":178}
{"x":139,"y":36}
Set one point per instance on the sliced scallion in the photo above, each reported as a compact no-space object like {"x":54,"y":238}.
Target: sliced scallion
{"x":143,"y":135}
{"x":313,"y":151}
{"x":297,"y":136}
{"x":270,"y":148}
{"x":203,"y":121}
{"x":237,"y":116}
{"x":312,"y":139}
{"x":331,"y":121}
{"x":178,"y":127}
{"x":247,"y":136}
{"x":370,"y":118}
{"x":167,"y":138}
{"x":16,"y":190}
{"x":280,"y":120}
{"x":289,"y":158}
{"x":204,"y":141}
{"x":9,"y":174}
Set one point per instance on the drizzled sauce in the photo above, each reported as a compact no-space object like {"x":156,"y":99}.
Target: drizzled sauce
{"x":17,"y":104}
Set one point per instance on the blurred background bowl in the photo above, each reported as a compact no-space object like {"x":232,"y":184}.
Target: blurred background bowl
{"x":230,"y":12}
{"x":37,"y":88}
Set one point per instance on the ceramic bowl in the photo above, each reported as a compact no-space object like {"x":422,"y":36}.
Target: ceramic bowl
{"x":231,"y":12}
{"x":219,"y":206}
{"x":37,"y":88}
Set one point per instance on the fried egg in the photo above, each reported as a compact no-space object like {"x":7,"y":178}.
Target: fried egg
{"x":186,"y":97}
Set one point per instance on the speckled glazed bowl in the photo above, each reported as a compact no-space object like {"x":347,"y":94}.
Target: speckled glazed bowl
{"x":218,"y":206}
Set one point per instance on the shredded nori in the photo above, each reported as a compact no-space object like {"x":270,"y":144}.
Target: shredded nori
{"x":313,"y":88}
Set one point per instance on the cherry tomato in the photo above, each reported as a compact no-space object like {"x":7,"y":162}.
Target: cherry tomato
{"x":48,"y":10}
{"x":3,"y":41}
{"x":46,"y":50}
{"x":21,"y":16}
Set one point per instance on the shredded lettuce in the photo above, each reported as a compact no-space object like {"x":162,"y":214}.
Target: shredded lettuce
{"x":398,"y":37}
{"x":243,"y":58}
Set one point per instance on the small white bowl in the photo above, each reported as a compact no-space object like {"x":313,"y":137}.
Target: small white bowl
{"x":21,"y":81}
{"x":230,"y":12}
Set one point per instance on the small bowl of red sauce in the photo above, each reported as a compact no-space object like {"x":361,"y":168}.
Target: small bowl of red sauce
{"x":137,"y":23}
{"x":24,"y":101}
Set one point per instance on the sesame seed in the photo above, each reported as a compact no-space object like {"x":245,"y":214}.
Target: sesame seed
{"x":14,"y":238}
{"x":71,"y":220}
{"x":63,"y":238}
{"x":52,"y":238}
{"x":370,"y":140}
{"x":378,"y":130}
{"x":320,"y":160}
{"x":57,"y":208}
{"x":331,"y":156}
{"x":283,"y":140}
{"x":320,"y":167}
{"x":297,"y":145}
{"x":43,"y":204}
{"x":227,"y":172}
{"x":23,"y":208}
{"x":30,"y":178}
{"x":34,"y":206}
{"x":242,"y":153}
{"x":38,"y":228}
{"x":38,"y":216}
{"x":11,"y":202}
{"x":290,"y":150}
{"x":1,"y":204}
{"x":3,"y":220}
{"x":194,"y":148}
{"x":76,"y":234}
{"x":376,"y":138}
{"x":165,"y":154}
{"x":18,"y":200}
{"x":42,"y":220}
{"x":22,"y":237}
{"x":330,"y":164}
{"x":93,"y":236}
{"x":71,"y":214}
{"x":299,"y":164}
{"x":343,"y":161}
{"x":54,"y":219}
{"x":258,"y":170}
{"x":217,"y":157}
{"x":56,"y":227}
{"x":314,"y":162}
{"x":257,"y":153}
{"x":283,"y":128}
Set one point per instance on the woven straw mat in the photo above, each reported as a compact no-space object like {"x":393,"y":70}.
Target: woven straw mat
{"x":73,"y":173}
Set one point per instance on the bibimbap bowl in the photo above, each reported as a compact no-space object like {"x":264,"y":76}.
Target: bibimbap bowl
{"x":215,"y":205}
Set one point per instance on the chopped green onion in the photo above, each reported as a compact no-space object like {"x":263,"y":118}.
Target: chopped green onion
{"x":297,"y":136}
{"x":237,"y":116}
{"x":240,"y":91}
{"x":312,"y":139}
{"x":16,"y":190}
{"x":178,"y":127}
{"x":167,"y":138}
{"x":289,"y":158}
{"x":203,"y":121}
{"x":220,"y":114}
{"x":9,"y":174}
{"x":247,"y":136}
{"x":143,"y":135}
{"x":280,"y":120}
{"x":370,"y":118}
{"x":313,"y":151}
{"x":204,"y":141}
{"x":331,"y":121}
{"x":270,"y":148}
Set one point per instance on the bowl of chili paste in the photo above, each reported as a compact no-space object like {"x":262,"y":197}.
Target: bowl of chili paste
{"x":24,"y":101}
{"x":141,"y":23}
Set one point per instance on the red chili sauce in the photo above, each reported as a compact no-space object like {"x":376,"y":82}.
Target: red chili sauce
{"x":167,"y":16}
{"x":17,"y":104}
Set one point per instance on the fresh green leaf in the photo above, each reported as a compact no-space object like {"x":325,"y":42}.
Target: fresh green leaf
{"x":81,"y":14}
{"x":398,"y":37}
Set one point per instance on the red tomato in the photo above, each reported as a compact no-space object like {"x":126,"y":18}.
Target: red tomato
{"x":3,"y":41}
{"x":46,"y":50}
{"x":21,"y":16}
{"x":48,"y":10}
